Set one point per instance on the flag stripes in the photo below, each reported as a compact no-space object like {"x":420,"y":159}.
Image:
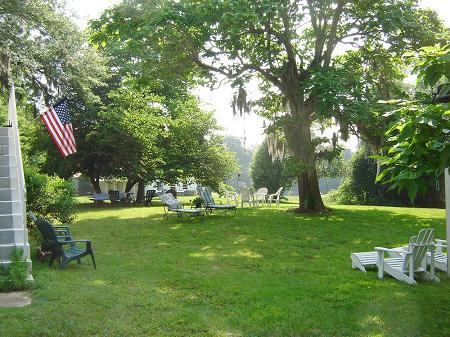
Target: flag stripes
{"x":62,"y":134}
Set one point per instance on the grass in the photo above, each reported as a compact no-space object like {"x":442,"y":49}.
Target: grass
{"x":265,"y":272}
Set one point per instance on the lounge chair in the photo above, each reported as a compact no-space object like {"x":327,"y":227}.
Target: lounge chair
{"x":62,"y":246}
{"x":440,"y":256}
{"x":209,"y":205}
{"x":411,"y":264}
{"x":275,"y":196}
{"x":173,"y":205}
{"x":98,"y":198}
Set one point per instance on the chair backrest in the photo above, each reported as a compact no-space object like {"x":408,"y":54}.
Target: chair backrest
{"x":48,"y":233}
{"x":246,"y":194}
{"x":262,"y":190}
{"x":114,"y":195}
{"x":205,"y":193}
{"x":419,"y":245}
{"x":150,"y":193}
{"x":169,"y":200}
{"x":279,"y":191}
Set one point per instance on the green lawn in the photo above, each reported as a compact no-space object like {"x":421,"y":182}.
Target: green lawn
{"x":265,"y":272}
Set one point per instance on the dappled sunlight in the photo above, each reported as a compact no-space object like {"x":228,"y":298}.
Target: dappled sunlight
{"x":274,"y":266}
{"x":210,"y":255}
{"x":373,"y":320}
{"x":245,"y":253}
{"x":166,"y":291}
{"x":240,"y":240}
{"x":99,"y":282}
{"x":207,"y":253}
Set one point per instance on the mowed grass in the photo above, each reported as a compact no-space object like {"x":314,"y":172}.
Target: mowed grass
{"x":264,"y":272}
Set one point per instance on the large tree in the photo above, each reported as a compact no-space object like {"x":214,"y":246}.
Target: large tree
{"x":288,"y":44}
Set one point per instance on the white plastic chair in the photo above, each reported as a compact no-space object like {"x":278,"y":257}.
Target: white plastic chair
{"x":275,"y":196}
{"x":246,"y":196}
{"x":260,"y":196}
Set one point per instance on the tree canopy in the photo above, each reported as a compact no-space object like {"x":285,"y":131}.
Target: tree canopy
{"x":289,"y":45}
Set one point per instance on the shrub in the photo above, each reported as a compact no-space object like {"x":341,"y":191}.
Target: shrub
{"x":15,"y":276}
{"x":50,"y":197}
{"x":358,"y":186}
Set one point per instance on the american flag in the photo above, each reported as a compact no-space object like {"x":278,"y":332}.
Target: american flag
{"x":58,"y":123}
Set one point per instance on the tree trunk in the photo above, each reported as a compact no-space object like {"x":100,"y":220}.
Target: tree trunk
{"x":299,"y":141}
{"x":140,"y":197}
{"x":309,"y":196}
{"x":130,"y":183}
{"x":95,"y":181}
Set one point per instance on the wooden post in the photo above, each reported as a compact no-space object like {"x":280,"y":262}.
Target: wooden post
{"x":447,"y":208}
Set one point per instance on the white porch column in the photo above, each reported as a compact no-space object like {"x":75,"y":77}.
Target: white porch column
{"x":447,"y":210}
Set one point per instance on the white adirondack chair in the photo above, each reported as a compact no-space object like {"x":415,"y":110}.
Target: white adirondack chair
{"x":275,"y":196}
{"x":412,"y":261}
{"x":260,"y":196}
{"x":440,"y":256}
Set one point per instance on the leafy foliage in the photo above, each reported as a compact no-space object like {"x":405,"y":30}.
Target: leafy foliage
{"x":15,"y":276}
{"x":50,"y":197}
{"x":419,"y":148}
{"x":288,"y":45}
{"x":47,"y":52}
{"x":269,"y":173}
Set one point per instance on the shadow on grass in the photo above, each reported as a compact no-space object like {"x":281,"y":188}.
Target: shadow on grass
{"x":264,"y":272}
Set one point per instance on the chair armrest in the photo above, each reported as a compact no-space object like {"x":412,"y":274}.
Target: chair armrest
{"x":382,"y":249}
{"x":60,"y":227}
{"x":74,"y":241}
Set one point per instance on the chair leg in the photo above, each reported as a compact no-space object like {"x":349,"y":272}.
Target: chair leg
{"x":79,"y":261}
{"x":93,"y":260}
{"x":63,"y":264}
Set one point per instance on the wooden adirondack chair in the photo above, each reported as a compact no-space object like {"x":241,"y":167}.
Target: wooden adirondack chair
{"x":411,"y":264}
{"x":440,"y":256}
{"x":62,"y":246}
{"x":206,"y":195}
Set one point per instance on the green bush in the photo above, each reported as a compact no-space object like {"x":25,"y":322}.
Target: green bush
{"x":15,"y":276}
{"x":50,"y":197}
{"x":358,"y":185}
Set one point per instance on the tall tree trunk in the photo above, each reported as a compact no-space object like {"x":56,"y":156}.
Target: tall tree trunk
{"x":140,"y":197}
{"x":309,"y":196}
{"x":299,"y":141}
{"x":95,"y":181}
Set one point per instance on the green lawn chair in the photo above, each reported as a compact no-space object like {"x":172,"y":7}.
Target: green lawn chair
{"x":205,"y":194}
{"x":62,"y":246}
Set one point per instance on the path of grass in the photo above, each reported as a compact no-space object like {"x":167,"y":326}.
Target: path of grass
{"x":265,"y":272}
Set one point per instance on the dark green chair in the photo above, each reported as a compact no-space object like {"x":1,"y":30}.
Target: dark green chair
{"x":149,"y":195}
{"x":62,"y":246}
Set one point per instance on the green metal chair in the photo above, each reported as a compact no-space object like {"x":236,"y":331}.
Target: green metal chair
{"x":62,"y":246}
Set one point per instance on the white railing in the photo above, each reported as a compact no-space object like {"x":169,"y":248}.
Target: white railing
{"x":12,"y":118}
